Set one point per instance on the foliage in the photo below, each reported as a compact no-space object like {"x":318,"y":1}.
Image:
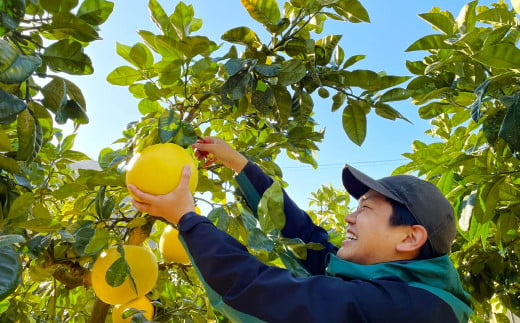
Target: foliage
{"x":258,"y":95}
{"x":57,"y":219}
{"x":468,"y":86}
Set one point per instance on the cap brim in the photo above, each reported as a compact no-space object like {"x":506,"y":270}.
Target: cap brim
{"x":358,"y":183}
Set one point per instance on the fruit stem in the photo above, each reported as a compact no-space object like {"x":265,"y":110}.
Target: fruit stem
{"x":99,"y":312}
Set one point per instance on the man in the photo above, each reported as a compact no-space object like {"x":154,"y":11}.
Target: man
{"x":392,"y":266}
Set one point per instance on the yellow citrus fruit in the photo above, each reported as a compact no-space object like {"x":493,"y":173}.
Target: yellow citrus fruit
{"x":143,"y":269}
{"x":141,"y":304}
{"x":157,"y":169}
{"x":171,"y":247}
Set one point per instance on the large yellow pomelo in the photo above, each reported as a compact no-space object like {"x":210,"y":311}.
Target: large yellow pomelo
{"x":143,"y":269}
{"x":171,"y":247}
{"x":141,"y":304}
{"x":157,"y":169}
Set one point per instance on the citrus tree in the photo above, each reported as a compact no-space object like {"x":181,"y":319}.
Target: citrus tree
{"x":257,"y":94}
{"x":257,"y":91}
{"x":468,"y":86}
{"x":39,"y":42}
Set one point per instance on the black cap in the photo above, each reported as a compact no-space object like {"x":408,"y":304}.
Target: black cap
{"x":426,"y":203}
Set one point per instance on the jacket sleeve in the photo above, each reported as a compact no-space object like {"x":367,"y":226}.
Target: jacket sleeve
{"x":246,"y":290}
{"x":253,"y":182}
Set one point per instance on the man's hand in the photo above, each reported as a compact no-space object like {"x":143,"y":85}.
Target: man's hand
{"x":171,"y":206}
{"x":219,"y":150}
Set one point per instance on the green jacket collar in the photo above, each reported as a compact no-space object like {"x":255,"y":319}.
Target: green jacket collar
{"x":436,"y":275}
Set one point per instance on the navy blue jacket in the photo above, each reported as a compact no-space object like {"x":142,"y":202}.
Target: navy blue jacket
{"x":246,"y":290}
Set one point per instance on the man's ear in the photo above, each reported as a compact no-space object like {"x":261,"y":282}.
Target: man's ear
{"x":415,"y":238}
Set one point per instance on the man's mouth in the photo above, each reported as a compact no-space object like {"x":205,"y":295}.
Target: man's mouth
{"x":351,"y":236}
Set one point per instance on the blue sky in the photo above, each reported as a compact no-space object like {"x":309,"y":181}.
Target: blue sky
{"x":394,"y":26}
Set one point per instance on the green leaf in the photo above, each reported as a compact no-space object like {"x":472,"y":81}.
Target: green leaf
{"x":30,"y":136}
{"x":488,"y":199}
{"x":502,"y":55}
{"x":492,"y":124}
{"x":480,"y":92}
{"x":182,"y":19}
{"x":292,"y":71}
{"x":68,"y":190}
{"x":292,"y":264}
{"x":21,"y":69}
{"x":259,"y":240}
{"x":497,"y":16}
{"x":387,"y":112}
{"x":304,"y":106}
{"x":124,"y":76}
{"x":170,"y":73}
{"x":10,"y":271}
{"x":8,"y":240}
{"x":353,"y":60}
{"x":98,"y":241}
{"x":219,"y":218}
{"x":467,"y":18}
{"x":11,"y":13}
{"x":270,"y":70}
{"x":55,"y":95}
{"x":146,"y":106}
{"x":395,"y":94}
{"x":67,"y":56}
{"x":10,"y":165}
{"x":9,"y":54}
{"x":440,"y":21}
{"x":282,"y":104}
{"x":95,"y":12}
{"x":41,"y":225}
{"x":516,"y":5}
{"x":67,"y":143}
{"x":299,"y":47}
{"x":21,"y":207}
{"x":510,"y":129}
{"x":329,"y":44}
{"x":100,"y":201}
{"x":75,"y":94}
{"x":354,"y":121}
{"x":141,"y":56}
{"x":265,"y":12}
{"x":82,"y":238}
{"x":237,"y":85}
{"x":352,"y":10}
{"x":195,"y":45}
{"x":370,"y":80}
{"x":235,"y":65}
{"x":117,"y":272}
{"x":10,"y":107}
{"x":435,"y":41}
{"x":337,"y":100}
{"x":73,"y":111}
{"x":66,"y":26}
{"x":55,"y":6}
{"x":243,"y":36}
{"x":171,"y":129}
{"x":271,"y":214}
{"x":160,"y":18}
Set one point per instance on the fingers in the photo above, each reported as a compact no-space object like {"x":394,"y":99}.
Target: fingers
{"x":185,"y":178}
{"x":206,"y":146}
{"x":139,"y":195}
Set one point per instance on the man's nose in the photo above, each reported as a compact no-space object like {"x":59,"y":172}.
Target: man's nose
{"x":351,"y":217}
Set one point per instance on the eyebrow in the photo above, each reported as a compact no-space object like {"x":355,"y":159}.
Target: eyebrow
{"x":367,"y":196}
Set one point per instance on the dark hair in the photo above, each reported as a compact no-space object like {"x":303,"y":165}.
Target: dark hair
{"x":402,"y":216}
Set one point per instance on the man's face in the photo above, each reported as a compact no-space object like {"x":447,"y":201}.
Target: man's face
{"x":370,"y":238}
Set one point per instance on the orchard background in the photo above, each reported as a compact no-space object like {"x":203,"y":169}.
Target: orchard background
{"x":260,"y":95}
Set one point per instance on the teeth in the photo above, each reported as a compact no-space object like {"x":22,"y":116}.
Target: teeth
{"x":351,"y":236}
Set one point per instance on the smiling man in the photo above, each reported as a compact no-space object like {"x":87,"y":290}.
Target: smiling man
{"x":393,"y":265}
